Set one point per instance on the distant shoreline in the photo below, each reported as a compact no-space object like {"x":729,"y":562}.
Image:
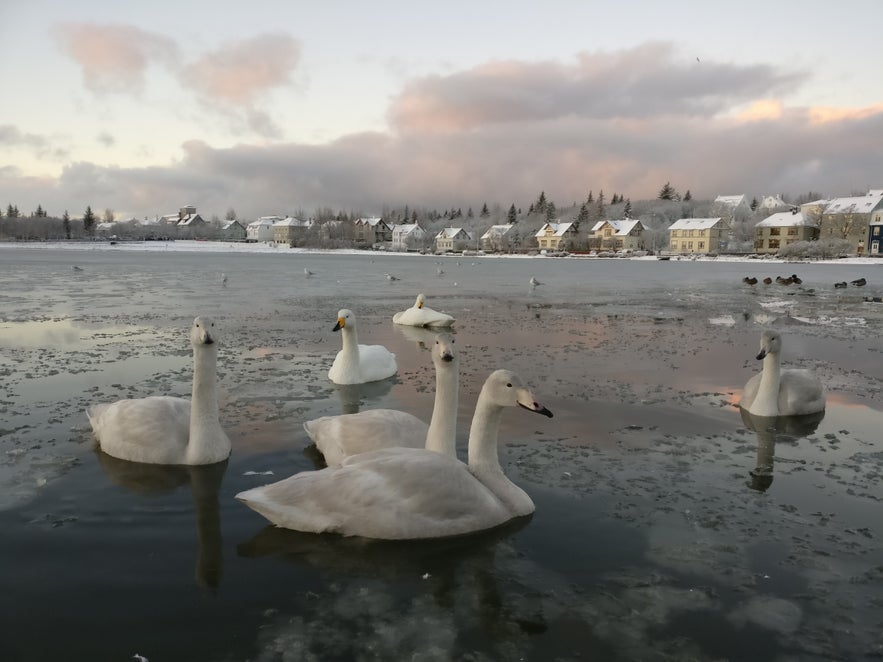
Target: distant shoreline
{"x":264,"y":248}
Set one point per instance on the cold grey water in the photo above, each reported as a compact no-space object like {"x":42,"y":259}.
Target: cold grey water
{"x":669,"y":526}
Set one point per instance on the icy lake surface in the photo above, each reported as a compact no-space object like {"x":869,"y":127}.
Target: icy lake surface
{"x":668,"y":527}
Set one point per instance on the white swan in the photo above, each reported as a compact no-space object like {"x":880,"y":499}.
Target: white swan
{"x":164,"y":429}
{"x":355,"y":363}
{"x":420,"y":315}
{"x":409,"y":493}
{"x":338,"y":437}
{"x":781,"y":392}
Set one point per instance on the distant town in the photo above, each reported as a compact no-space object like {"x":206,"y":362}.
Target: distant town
{"x":807,"y":226}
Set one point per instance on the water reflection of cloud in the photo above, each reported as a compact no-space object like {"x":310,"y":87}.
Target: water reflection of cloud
{"x":57,"y":334}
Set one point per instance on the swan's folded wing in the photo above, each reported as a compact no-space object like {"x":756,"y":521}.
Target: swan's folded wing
{"x":142,"y":430}
{"x":391,"y":494}
{"x":338,"y":437}
{"x":376,"y":362}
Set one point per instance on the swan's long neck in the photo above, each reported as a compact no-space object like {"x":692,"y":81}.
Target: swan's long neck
{"x":766,"y":402}
{"x":483,"y":435}
{"x":206,"y":437}
{"x":442,"y":434}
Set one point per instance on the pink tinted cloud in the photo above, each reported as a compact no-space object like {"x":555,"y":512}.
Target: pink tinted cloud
{"x":113,"y":58}
{"x":240,"y":73}
{"x":648,"y":80}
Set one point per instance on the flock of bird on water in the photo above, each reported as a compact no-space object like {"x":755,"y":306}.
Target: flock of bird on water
{"x":794,"y":279}
{"x":389,"y":475}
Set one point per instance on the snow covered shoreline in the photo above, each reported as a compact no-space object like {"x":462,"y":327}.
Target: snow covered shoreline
{"x":184,"y":245}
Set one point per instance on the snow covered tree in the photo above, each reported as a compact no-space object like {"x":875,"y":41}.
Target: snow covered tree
{"x":627,"y":210}
{"x":512,"y":216}
{"x":66,"y":224}
{"x":89,"y":221}
{"x":484,"y":211}
{"x":688,"y":196}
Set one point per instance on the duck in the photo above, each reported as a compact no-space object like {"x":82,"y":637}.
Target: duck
{"x":163,"y":429}
{"x":355,"y":363}
{"x":859,"y":282}
{"x":307,"y":272}
{"x":840,"y":285}
{"x":767,"y":281}
{"x":420,"y":315}
{"x":534,"y":282}
{"x":781,"y":392}
{"x":390,"y":277}
{"x":796,"y":279}
{"x":750,"y":281}
{"x":338,"y":437}
{"x":781,"y":280}
{"x":409,"y":493}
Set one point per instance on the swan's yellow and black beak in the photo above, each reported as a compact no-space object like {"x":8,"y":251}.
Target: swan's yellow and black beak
{"x":761,"y":354}
{"x":420,"y":305}
{"x":207,"y":339}
{"x":341,"y":323}
{"x":526,"y":400}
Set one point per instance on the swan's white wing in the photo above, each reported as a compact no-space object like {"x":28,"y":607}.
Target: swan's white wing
{"x":423,"y":317}
{"x":391,"y":494}
{"x":154,"y":429}
{"x":800,"y":392}
{"x":376,"y":362}
{"x":338,"y":437}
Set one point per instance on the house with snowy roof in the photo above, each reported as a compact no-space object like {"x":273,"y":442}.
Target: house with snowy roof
{"x":290,"y":229}
{"x":499,"y":238}
{"x":407,"y":237}
{"x":452,"y":239}
{"x":558,"y":237}
{"x":850,"y":218}
{"x":875,"y":235}
{"x":697,"y":235}
{"x":262,"y":228}
{"x":372,"y":230}
{"x":782,"y":228}
{"x":233,"y":231}
{"x":771,"y":203}
{"x":731,"y":208}
{"x":617,"y":235}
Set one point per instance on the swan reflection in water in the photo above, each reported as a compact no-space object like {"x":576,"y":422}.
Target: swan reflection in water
{"x":406,"y":598}
{"x":769,"y":430}
{"x":353,"y":396}
{"x":205,"y":485}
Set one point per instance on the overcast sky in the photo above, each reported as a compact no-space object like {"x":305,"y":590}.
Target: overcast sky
{"x":269,"y":107}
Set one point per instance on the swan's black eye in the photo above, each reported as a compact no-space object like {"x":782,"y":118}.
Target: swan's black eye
{"x":509,"y":385}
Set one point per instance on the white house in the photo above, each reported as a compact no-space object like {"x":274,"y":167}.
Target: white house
{"x":262,"y":229}
{"x":731,"y":207}
{"x":769,"y":203}
{"x":498,"y":238}
{"x":452,"y":239}
{"x":407,"y":236}
{"x":372,"y":230}
{"x":233,"y":231}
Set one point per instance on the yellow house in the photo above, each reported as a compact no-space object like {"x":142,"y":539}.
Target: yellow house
{"x":697,"y":235}
{"x":623,"y":235}
{"x":557,"y":236}
{"x":779,"y":230}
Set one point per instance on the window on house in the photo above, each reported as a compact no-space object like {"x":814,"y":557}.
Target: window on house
{"x":774,"y":232}
{"x":691,"y":244}
{"x":774,"y":243}
{"x":792,"y":232}
{"x":877,"y":231}
{"x":701,"y":245}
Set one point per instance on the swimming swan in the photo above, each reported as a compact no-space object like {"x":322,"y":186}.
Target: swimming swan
{"x":420,"y":315}
{"x":355,"y":363}
{"x":168,"y":430}
{"x":338,"y":437}
{"x":409,"y":493}
{"x":781,"y":392}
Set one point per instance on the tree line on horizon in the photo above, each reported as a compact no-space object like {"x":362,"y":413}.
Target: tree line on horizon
{"x":655,"y":214}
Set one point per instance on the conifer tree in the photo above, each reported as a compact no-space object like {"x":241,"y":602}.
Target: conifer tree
{"x":688,"y":196}
{"x":667,"y":192}
{"x":627,"y":210}
{"x":66,"y":224}
{"x":89,"y":221}
{"x":484,"y":211}
{"x":583,"y":216}
{"x":512,"y":217}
